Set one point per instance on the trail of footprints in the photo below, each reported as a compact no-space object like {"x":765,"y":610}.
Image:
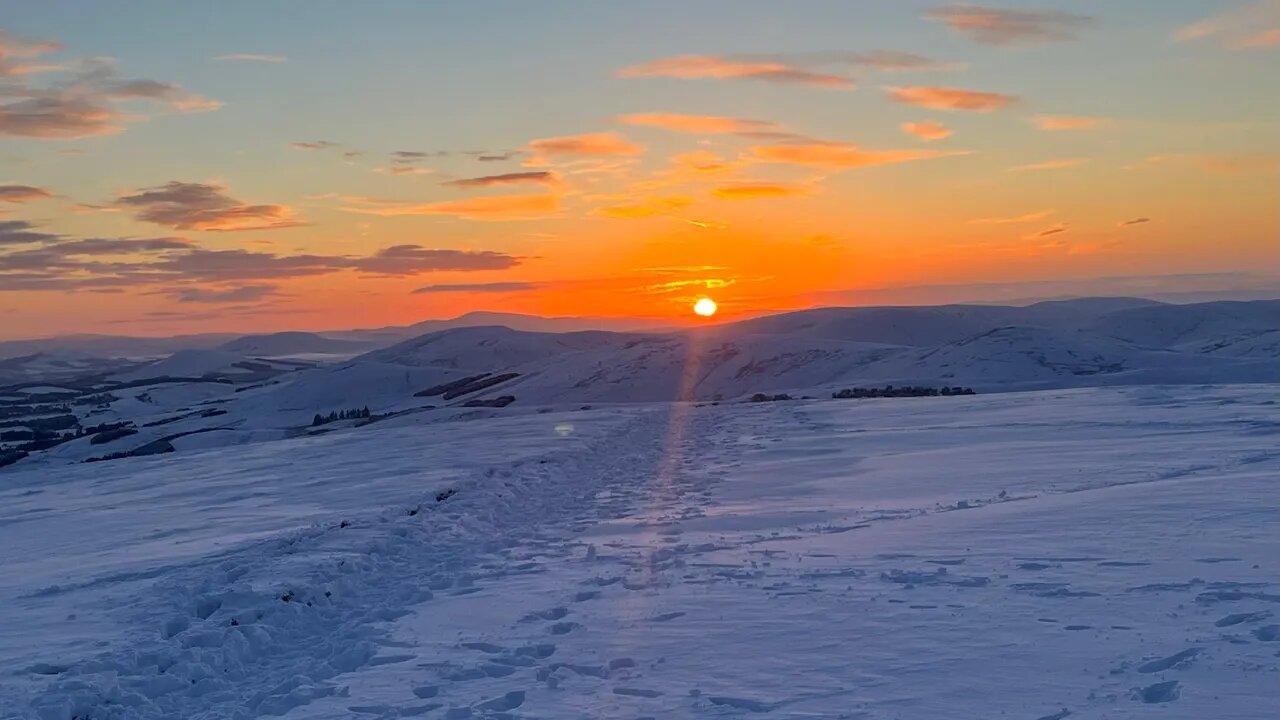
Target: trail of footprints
{"x":665,"y":557}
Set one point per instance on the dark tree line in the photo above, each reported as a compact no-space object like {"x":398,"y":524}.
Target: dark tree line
{"x":903,"y":391}
{"x":353,"y":414}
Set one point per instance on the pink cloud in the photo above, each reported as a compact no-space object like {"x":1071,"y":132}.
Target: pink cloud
{"x":927,"y":130}
{"x":940,"y":98}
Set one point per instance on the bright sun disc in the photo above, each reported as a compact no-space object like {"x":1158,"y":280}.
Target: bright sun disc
{"x":706,"y":307}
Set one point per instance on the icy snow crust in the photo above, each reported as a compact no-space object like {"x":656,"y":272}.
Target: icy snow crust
{"x":1072,"y":553}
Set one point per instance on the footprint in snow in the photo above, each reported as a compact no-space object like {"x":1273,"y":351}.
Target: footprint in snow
{"x":483,"y":647}
{"x":741,"y":703}
{"x":636,"y":692}
{"x":562,"y":628}
{"x":1268,"y":633}
{"x":509,"y":701}
{"x":1165,"y":663}
{"x":1237,"y":618}
{"x":664,"y":617}
{"x":1161,"y":692}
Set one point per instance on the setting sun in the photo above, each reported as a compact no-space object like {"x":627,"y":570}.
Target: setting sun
{"x":706,"y":307}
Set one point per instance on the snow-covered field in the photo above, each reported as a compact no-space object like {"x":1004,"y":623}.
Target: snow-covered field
{"x":1080,"y":553}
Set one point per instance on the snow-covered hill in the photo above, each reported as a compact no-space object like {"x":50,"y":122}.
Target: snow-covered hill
{"x":285,"y":344}
{"x":236,"y":397}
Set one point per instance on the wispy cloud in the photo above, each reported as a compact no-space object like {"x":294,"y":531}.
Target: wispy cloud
{"x":1016,"y":219}
{"x":881,"y":60}
{"x":13,"y":47}
{"x":414,"y":259}
{"x":940,"y":98}
{"x":998,"y":26}
{"x":22,"y":193}
{"x":1237,"y":164}
{"x":84,"y":99}
{"x":21,"y":232}
{"x":497,"y":207}
{"x":35,"y":260}
{"x":1061,"y":164}
{"x":253,"y":57}
{"x":699,"y":124}
{"x":203,"y":206}
{"x":405,"y":170}
{"x":703,"y":162}
{"x":1262,"y":39}
{"x":713,"y":67}
{"x":493,"y":287}
{"x":498,"y":156}
{"x":841,"y":155}
{"x":313,"y":145}
{"x":649,"y":207}
{"x":927,"y":130}
{"x":602,"y":144}
{"x":242,"y":293}
{"x":1252,"y":26}
{"x":536,"y":177}
{"x":751,"y":191}
{"x":1134,"y":221}
{"x":1069,"y":122}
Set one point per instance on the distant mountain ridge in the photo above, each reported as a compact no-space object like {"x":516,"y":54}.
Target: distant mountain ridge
{"x":270,"y":387}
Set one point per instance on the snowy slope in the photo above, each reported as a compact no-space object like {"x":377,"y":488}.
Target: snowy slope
{"x":1022,"y":555}
{"x":293,"y":343}
{"x":1193,"y":328}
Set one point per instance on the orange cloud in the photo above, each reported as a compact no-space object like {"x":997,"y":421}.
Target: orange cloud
{"x":675,"y":285}
{"x":1029,"y":217}
{"x":1068,"y":122}
{"x":927,"y":130}
{"x":498,"y":207}
{"x":652,"y":207}
{"x":940,"y":98}
{"x":690,"y":67}
{"x":703,"y":162}
{"x":1053,"y":164}
{"x":841,"y":155}
{"x":759,"y":190}
{"x":698,"y":124}
{"x":588,"y":145}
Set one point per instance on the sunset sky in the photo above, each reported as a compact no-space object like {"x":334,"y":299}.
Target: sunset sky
{"x":248,"y":166}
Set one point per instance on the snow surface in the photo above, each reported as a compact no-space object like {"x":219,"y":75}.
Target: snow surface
{"x":1088,"y":553}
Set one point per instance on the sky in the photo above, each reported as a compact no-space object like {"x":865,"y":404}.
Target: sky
{"x":255,"y":166}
